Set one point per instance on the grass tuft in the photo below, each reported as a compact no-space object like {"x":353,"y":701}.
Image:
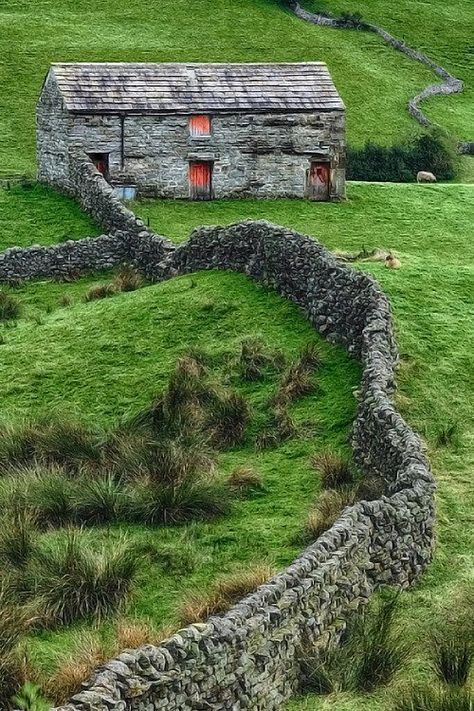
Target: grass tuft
{"x":99,"y":291}
{"x":326,"y":511}
{"x":10,"y":308}
{"x":245,"y":479}
{"x":452,"y":658}
{"x":127,"y":279}
{"x":75,"y":582}
{"x":335,"y":471}
{"x":225,"y":593}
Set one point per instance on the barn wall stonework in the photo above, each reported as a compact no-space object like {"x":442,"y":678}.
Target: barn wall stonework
{"x":258,"y":155}
{"x":248,"y":658}
{"x":52,"y":127}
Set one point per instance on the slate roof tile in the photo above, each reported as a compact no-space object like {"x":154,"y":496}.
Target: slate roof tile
{"x":196,"y":88}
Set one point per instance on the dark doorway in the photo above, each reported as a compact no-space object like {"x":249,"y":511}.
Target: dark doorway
{"x":318,"y":177}
{"x":101,"y":162}
{"x":200,"y":180}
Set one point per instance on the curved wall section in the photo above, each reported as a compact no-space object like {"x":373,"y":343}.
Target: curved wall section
{"x":248,"y":658}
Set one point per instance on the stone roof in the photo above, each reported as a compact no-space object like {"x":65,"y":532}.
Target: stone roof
{"x":191,"y":88}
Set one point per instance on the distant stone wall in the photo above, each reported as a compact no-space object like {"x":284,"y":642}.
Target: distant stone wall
{"x":63,"y":260}
{"x":450,"y":85}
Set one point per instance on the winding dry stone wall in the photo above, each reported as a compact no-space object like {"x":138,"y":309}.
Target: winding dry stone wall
{"x":450,"y":84}
{"x":248,"y":657}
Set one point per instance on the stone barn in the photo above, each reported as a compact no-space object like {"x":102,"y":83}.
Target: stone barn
{"x":196,"y":131}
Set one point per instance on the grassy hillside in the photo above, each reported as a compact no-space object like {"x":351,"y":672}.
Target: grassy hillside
{"x":440,"y":29}
{"x":375,"y":81}
{"x":109,"y":359}
{"x":430,"y":229}
{"x":33,"y":214}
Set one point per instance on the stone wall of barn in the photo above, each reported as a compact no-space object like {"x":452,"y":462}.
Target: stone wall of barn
{"x":248,"y":657}
{"x":52,"y":144}
{"x":258,"y":155}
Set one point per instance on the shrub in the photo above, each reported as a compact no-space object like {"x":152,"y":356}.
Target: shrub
{"x":334,"y":470}
{"x":127,"y":279}
{"x":10,"y":308}
{"x":99,"y":291}
{"x":245,"y":479}
{"x":326,"y":511}
{"x":431,"y":152}
{"x":225,"y":593}
{"x":74,"y":582}
{"x":452,"y":658}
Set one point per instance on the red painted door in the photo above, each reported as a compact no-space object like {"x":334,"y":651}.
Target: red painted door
{"x":318,"y":181}
{"x":200,"y":180}
{"x":101,"y":162}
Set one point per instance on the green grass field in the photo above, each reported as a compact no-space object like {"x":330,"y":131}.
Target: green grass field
{"x":374,"y":80}
{"x":106,"y":358}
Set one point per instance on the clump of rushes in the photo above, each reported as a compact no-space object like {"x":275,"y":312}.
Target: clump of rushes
{"x":335,"y":471}
{"x":452,"y":657}
{"x":75,"y":582}
{"x":326,"y":511}
{"x":99,"y":500}
{"x":13,"y":623}
{"x":225,"y":593}
{"x":281,"y":427}
{"x":99,"y":291}
{"x":432,"y":699}
{"x":62,"y":441}
{"x":254,"y":359}
{"x":245,"y":479}
{"x":127,"y":279}
{"x":372,"y":652}
{"x":297,"y":380}
{"x":227,"y":419}
{"x":10,"y":308}
{"x":17,"y":539}
{"x":448,"y":435}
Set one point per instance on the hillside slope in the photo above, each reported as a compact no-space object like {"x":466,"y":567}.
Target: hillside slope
{"x":374,"y":80}
{"x":439,"y":29}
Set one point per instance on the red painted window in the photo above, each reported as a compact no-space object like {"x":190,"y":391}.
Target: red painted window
{"x":200,"y":125}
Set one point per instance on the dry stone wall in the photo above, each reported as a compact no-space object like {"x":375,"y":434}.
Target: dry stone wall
{"x":248,"y":657}
{"x":450,"y":84}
